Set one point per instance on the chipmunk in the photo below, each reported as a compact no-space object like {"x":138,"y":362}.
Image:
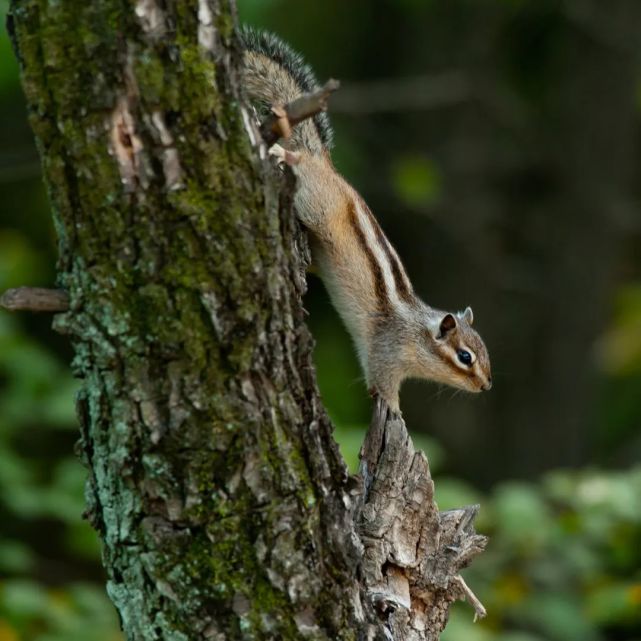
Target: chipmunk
{"x":397,"y":335}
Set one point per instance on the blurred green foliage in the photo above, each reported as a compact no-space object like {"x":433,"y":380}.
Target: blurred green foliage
{"x":47,"y":552}
{"x":563,"y":563}
{"x":564,"y":558}
{"x":620,"y":348}
{"x":416,"y":180}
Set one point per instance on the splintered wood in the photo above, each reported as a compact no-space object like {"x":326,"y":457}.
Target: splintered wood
{"x":412,"y":552}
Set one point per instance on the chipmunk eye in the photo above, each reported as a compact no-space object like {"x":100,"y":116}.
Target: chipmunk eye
{"x":464,"y":356}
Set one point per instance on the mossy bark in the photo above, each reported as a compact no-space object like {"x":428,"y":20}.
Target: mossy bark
{"x":214,"y":481}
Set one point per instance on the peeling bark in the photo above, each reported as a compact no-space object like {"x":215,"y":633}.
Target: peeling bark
{"x":224,"y":507}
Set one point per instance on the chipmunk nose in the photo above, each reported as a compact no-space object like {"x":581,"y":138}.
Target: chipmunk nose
{"x":488,"y":385}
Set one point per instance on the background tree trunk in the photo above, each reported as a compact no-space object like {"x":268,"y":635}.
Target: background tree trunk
{"x":214,"y":481}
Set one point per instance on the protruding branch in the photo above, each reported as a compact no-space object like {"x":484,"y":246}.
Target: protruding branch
{"x":35,"y":299}
{"x":283,"y":118}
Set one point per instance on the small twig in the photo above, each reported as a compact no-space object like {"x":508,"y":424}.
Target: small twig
{"x":479,"y":609}
{"x":279,"y":124}
{"x":35,"y":299}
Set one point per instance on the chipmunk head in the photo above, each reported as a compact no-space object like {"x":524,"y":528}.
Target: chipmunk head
{"x":456,"y":354}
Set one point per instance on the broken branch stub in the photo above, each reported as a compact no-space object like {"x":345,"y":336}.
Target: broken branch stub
{"x":412,"y":552}
{"x":35,"y":299}
{"x":283,"y":118}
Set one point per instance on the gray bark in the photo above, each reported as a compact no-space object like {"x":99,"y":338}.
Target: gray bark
{"x":224,"y":507}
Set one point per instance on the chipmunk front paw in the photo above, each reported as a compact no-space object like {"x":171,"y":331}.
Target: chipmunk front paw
{"x":284,"y":156}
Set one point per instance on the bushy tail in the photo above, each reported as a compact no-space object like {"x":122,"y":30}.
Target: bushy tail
{"x":276,"y":74}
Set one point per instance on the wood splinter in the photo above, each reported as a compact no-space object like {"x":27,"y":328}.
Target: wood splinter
{"x":479,"y":609}
{"x":283,"y":118}
{"x":35,"y":299}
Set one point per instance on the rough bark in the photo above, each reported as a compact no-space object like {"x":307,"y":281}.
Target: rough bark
{"x":412,"y":553}
{"x":224,"y":507}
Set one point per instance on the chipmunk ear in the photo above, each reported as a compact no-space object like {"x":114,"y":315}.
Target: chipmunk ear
{"x":467,"y":315}
{"x":448,"y":324}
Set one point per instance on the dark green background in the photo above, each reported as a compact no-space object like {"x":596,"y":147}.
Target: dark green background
{"x":498,"y":143}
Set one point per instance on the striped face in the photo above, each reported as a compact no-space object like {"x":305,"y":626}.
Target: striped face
{"x":464,"y":357}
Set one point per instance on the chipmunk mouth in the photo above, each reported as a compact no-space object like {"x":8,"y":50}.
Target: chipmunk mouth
{"x":469,"y":385}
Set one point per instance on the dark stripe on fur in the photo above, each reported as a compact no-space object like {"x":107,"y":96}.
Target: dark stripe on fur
{"x":271,"y":46}
{"x":382,"y":295}
{"x":403,"y":288}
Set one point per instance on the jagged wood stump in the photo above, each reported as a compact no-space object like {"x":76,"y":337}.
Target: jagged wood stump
{"x":412,"y":553}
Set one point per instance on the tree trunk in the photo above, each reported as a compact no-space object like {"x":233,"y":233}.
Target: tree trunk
{"x":220,"y":496}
